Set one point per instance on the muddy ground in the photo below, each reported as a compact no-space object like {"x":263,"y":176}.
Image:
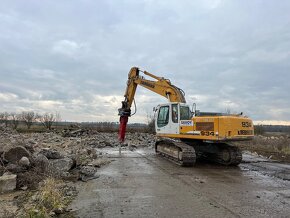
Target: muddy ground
{"x":141,"y":184}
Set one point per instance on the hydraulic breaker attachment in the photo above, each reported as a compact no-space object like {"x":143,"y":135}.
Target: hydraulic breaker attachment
{"x":124,"y":114}
{"x":122,"y":128}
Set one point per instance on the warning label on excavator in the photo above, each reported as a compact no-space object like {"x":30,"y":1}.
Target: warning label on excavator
{"x":186,"y":123}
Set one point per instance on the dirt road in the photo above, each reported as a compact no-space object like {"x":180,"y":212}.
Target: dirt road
{"x":141,"y":184}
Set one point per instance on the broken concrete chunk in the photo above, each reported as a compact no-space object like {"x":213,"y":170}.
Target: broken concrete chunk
{"x":64,"y":164}
{"x":88,"y":170}
{"x":41,"y":161}
{"x":7,"y":183}
{"x":51,"y":153}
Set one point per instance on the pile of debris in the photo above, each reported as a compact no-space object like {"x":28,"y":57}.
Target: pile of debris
{"x":26,"y":159}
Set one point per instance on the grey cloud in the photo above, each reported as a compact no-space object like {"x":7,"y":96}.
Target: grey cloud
{"x":74,"y":57}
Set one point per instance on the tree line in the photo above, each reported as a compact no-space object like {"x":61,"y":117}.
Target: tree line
{"x":29,"y":118}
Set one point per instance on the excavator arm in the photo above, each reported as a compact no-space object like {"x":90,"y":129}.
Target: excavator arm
{"x":160,"y":86}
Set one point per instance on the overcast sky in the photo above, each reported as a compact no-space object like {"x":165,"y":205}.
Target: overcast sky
{"x":73,"y":56}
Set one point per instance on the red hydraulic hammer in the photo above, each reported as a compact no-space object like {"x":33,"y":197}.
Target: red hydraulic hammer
{"x":124,"y":113}
{"x":122,"y":128}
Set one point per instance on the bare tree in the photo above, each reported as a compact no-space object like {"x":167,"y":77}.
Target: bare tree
{"x":15,"y":119}
{"x":47,"y":120}
{"x":28,"y":117}
{"x":57,"y":118}
{"x":1,"y":117}
{"x":150,"y":123}
{"x":4,"y":118}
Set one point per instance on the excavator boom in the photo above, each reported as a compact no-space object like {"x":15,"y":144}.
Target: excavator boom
{"x":160,"y":86}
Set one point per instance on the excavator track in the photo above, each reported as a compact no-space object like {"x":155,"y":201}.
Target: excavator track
{"x":229,"y":155}
{"x":177,"y":152}
{"x":224,"y":154}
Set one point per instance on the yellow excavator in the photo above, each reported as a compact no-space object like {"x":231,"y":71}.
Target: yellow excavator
{"x":186,"y":135}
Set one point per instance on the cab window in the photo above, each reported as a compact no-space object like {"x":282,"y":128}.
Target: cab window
{"x":185,"y":113}
{"x":163,"y":116}
{"x":174,"y":113}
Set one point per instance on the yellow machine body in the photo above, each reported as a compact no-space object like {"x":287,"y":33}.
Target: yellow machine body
{"x":219,"y":128}
{"x":175,"y":120}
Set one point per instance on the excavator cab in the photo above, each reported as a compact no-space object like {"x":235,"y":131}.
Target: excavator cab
{"x":168,"y":117}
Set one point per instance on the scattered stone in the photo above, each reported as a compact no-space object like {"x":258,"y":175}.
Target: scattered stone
{"x":7,"y":173}
{"x":60,"y":165}
{"x":29,"y":147}
{"x":41,"y":161}
{"x":132,"y":147}
{"x":7,"y":183}
{"x":24,"y":162}
{"x":14,"y":168}
{"x":88,"y":170}
{"x":75,"y":133}
{"x":24,"y":188}
{"x":13,"y":155}
{"x":51,"y":214}
{"x":59,"y":210}
{"x":51,"y":153}
{"x":88,"y":173}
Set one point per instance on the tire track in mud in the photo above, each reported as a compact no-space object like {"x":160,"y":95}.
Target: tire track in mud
{"x":182,"y":180}
{"x":238,"y":189}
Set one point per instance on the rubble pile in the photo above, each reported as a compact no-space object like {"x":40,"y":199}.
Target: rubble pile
{"x":71,"y":155}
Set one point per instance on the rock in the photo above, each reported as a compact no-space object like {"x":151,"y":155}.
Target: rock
{"x":51,"y":153}
{"x":13,"y":155}
{"x":88,"y":173}
{"x":24,"y":162}
{"x":7,"y":183}
{"x":75,"y":133}
{"x":59,"y":210}
{"x":41,"y":161}
{"x":89,"y":151}
{"x":7,"y":173}
{"x":29,"y":148}
{"x":24,"y":188}
{"x":94,"y":155}
{"x":108,"y":144}
{"x":61,"y":165}
{"x":14,"y":168}
{"x":88,"y":170}
{"x":2,"y":170}
{"x":132,"y":147}
{"x":51,"y":214}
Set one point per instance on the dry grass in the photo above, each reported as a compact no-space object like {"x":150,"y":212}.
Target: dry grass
{"x":278,"y":147}
{"x":49,"y":200}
